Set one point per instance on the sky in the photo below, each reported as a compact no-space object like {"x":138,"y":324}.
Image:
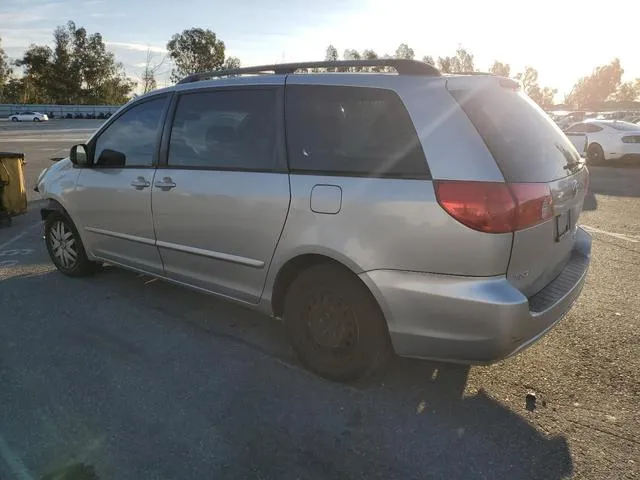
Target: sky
{"x":562,"y":39}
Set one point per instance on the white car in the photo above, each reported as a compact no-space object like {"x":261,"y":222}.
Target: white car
{"x":28,"y":117}
{"x":609,"y":139}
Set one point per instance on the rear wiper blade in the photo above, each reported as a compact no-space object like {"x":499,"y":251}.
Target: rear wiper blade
{"x":571,"y":165}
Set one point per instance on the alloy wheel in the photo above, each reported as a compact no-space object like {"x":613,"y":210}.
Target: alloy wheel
{"x":63,"y":245}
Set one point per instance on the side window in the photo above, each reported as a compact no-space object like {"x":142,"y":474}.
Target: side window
{"x":351,"y":131}
{"x":133,"y":135}
{"x":577,"y":128}
{"x":591,"y":128}
{"x":230,"y":129}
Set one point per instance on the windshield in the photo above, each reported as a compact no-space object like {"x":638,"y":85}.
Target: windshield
{"x":527,"y":145}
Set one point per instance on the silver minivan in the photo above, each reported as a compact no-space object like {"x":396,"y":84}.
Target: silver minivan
{"x":374,"y":211}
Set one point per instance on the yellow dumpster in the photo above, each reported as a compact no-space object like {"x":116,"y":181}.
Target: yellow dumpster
{"x":13,"y":194}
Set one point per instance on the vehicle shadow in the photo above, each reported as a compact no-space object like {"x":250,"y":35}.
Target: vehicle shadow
{"x":231,"y":400}
{"x":614,"y":181}
{"x":590,"y":201}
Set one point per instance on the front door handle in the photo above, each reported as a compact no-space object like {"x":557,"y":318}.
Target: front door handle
{"x":165,"y":184}
{"x":140,"y":183}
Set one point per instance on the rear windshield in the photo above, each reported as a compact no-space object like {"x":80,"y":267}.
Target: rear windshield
{"x":625,"y":126}
{"x":526,"y":144}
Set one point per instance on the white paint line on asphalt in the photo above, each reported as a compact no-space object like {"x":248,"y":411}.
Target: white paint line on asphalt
{"x":17,"y":468}
{"x":621,"y":236}
{"x":19,"y":236}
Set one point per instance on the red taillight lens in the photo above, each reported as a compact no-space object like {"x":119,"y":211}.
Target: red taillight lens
{"x":533,"y":202}
{"x":494,"y":207}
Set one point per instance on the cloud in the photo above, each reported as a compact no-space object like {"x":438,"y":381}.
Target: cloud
{"x":106,"y":15}
{"x":19,"y":17}
{"x":138,"y":47}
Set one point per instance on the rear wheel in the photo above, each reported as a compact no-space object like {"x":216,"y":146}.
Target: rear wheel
{"x":14,"y":119}
{"x":334,"y":324}
{"x":595,"y":154}
{"x":65,"y":246}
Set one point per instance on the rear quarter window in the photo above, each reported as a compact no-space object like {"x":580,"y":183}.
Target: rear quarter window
{"x":357,"y":131}
{"x":525,"y":143}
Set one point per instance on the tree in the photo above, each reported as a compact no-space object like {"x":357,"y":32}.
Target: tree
{"x":627,"y":91}
{"x":543,"y":96}
{"x":150,"y":71}
{"x":591,"y":91}
{"x":404,"y":51}
{"x":231,"y":62}
{"x":78,"y":69}
{"x":36,"y":62}
{"x":14,"y":91}
{"x":461,"y":62}
{"x":352,"y":54}
{"x":369,"y":55}
{"x":528,"y":79}
{"x":429,"y":59}
{"x":5,"y":70}
{"x":501,"y":69}
{"x":331,"y":54}
{"x":65,"y":76}
{"x":195,"y":50}
{"x":445,"y":64}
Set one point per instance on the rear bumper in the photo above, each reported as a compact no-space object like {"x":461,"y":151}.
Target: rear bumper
{"x":473,"y":319}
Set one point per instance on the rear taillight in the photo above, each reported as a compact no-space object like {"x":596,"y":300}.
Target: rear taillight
{"x":533,"y":204}
{"x":494,"y":207}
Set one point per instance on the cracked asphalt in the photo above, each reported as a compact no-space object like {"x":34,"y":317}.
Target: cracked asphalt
{"x":118,"y":376}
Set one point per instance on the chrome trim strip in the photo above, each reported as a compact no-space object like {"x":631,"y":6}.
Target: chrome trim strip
{"x":123,"y":236}
{"x":225,"y":257}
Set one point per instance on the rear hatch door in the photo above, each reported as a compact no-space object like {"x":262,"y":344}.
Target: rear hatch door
{"x":528,"y":147}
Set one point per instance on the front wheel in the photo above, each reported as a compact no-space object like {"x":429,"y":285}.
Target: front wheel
{"x":36,"y":119}
{"x":65,"y":246}
{"x":595,"y":154}
{"x":334,"y":324}
{"x":14,"y":119}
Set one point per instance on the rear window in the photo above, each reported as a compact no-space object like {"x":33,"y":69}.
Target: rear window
{"x":351,"y":131}
{"x":625,"y":126}
{"x":526,"y":144}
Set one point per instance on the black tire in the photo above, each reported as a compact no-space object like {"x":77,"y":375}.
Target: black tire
{"x":14,"y":119}
{"x":72,"y":259}
{"x":354,"y":339}
{"x":595,"y":154}
{"x":36,"y":119}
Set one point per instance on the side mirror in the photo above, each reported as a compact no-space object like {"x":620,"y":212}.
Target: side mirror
{"x":78,"y":155}
{"x":111,"y":158}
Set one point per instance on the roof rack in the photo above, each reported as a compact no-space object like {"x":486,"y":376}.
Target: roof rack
{"x":402,"y":66}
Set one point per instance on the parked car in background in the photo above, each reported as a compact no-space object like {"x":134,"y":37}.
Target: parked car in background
{"x":434,"y":216}
{"x":580,"y":141}
{"x":564,"y":119}
{"x":28,"y":117}
{"x":608,"y":139}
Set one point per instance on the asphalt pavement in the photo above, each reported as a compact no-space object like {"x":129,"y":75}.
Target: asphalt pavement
{"x":118,"y":376}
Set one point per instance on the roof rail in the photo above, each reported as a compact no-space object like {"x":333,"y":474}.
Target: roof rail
{"x":402,"y":66}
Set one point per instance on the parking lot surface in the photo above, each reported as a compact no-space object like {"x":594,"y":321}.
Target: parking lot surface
{"x":127,"y":377}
